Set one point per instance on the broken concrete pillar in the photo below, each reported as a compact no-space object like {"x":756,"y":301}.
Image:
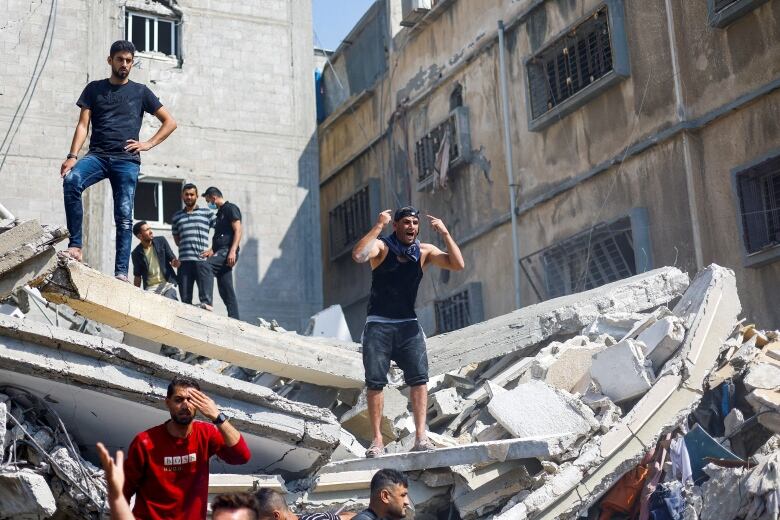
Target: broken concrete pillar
{"x":662,"y":339}
{"x":25,"y":495}
{"x":525,"y":329}
{"x":535,"y":409}
{"x":130,"y":309}
{"x":620,"y":371}
{"x":356,"y":420}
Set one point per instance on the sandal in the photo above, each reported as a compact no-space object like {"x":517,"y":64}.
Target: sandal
{"x":375,"y":450}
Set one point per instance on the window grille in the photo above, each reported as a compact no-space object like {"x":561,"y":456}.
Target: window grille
{"x":722,"y":12}
{"x":349,"y":221}
{"x":426,"y":148}
{"x":152,"y":34}
{"x":157,"y":200}
{"x":758,"y":189}
{"x":570,"y":64}
{"x":590,"y":259}
{"x":453,"y":313}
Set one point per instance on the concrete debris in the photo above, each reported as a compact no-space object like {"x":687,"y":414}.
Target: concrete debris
{"x":535,"y":414}
{"x":626,"y":359}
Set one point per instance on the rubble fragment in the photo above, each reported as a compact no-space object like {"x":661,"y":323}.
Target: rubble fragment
{"x":627,"y":359}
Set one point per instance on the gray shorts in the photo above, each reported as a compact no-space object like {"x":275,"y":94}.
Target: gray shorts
{"x":403,"y":343}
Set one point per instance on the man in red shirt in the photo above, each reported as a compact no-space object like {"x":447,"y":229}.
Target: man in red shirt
{"x":167,"y":466}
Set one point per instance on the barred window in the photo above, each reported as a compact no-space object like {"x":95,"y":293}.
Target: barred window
{"x":590,"y":259}
{"x":427,"y":148}
{"x":349,"y":221}
{"x":453,"y":313}
{"x":758,"y":190}
{"x":723,"y":12}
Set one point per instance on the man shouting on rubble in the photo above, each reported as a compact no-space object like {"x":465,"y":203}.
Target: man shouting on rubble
{"x":167,"y":467}
{"x":392,"y":332}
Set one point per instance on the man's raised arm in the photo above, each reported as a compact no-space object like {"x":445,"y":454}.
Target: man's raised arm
{"x":368,"y":247}
{"x":452,"y":258}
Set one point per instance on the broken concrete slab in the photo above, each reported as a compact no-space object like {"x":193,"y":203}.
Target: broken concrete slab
{"x":765,"y":376}
{"x":709,"y":308}
{"x":29,"y":255}
{"x":614,"y":324}
{"x":571,"y":367}
{"x":478,"y":452}
{"x":356,"y":420}
{"x":525,"y":329}
{"x":662,"y":339}
{"x":88,"y":378}
{"x":502,"y":378}
{"x":443,"y":405}
{"x":627,"y":360}
{"x":483,"y":499}
{"x":236,"y":483}
{"x":767,"y":404}
{"x":535,"y":409}
{"x":151,"y":316}
{"x":25,"y":495}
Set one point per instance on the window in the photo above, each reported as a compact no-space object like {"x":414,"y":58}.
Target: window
{"x":758,"y":193}
{"x":152,"y":34}
{"x":157,"y":200}
{"x":351,"y":219}
{"x":576,"y":66}
{"x":456,"y":127}
{"x":723,"y":12}
{"x":459,"y":310}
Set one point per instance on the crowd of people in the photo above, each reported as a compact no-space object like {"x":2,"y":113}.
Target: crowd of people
{"x":167,"y":466}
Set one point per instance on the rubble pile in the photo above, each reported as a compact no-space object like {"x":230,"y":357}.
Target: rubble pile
{"x":642,"y":397}
{"x":41,"y":469}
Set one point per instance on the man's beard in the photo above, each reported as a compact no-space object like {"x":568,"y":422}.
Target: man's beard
{"x":182,"y":420}
{"x":120,"y":73}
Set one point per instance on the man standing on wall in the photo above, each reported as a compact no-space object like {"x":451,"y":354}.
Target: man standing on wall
{"x":167,"y":466}
{"x":392,"y":331}
{"x":223,"y":254}
{"x":154,"y":262}
{"x":190,"y":227}
{"x":115,"y":108}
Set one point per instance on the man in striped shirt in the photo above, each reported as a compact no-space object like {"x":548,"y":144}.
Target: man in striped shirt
{"x":190,"y":228}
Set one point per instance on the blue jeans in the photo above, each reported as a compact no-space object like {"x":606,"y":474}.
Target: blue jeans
{"x":123,"y":176}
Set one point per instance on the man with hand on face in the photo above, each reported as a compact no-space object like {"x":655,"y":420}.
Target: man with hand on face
{"x":167,"y":466}
{"x":115,"y":108}
{"x":392,"y":331}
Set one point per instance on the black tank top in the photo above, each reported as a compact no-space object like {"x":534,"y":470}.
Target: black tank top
{"x":394,"y":287}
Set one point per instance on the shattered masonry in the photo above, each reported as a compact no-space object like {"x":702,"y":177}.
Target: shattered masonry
{"x":537,"y":414}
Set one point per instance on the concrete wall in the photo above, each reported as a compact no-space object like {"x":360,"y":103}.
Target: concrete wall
{"x":243,"y":97}
{"x":683,"y":138}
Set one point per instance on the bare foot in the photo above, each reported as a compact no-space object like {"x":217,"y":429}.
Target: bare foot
{"x":74,"y":253}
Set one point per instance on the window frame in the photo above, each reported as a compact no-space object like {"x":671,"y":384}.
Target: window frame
{"x":730,"y":13}
{"x":148,"y":17}
{"x":160,"y":222}
{"x":373,"y":209}
{"x":621,"y":67}
{"x":767,"y":254}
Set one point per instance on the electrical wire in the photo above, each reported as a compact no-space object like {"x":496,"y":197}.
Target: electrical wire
{"x":32,"y":84}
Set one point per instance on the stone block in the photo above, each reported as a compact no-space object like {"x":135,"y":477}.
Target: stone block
{"x":765,"y":376}
{"x":444,"y":404}
{"x":620,"y":371}
{"x":572,"y":366}
{"x":536,"y":409}
{"x":25,"y":495}
{"x":733,"y":421}
{"x":356,"y":420}
{"x":662,"y":339}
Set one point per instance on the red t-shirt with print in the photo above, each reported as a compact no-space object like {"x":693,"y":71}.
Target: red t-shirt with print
{"x":170,"y":476}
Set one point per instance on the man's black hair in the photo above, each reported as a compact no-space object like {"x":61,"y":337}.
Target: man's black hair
{"x":182,"y":382}
{"x":137,"y":227}
{"x":211,"y":190}
{"x":233,"y":501}
{"x":268,"y":501}
{"x":189,"y":186}
{"x":406,"y":211}
{"x":386,"y":478}
{"x":122,"y":46}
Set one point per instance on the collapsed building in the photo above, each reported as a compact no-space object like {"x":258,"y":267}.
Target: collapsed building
{"x":646,"y":394}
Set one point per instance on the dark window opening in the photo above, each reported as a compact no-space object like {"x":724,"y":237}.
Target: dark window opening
{"x":146,"y":206}
{"x":453,"y":313}
{"x":165,"y":37}
{"x":456,"y":98}
{"x":427,"y":148}
{"x":349,"y":221}
{"x":571,"y":63}
{"x":758,"y":189}
{"x":590,"y":259}
{"x":151,"y":34}
{"x":138,"y":35}
{"x":157,"y":200}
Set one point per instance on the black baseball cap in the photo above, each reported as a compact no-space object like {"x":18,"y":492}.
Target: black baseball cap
{"x":406,"y":211}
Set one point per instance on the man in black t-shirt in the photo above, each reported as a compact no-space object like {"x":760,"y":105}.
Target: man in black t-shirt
{"x":115,"y":108}
{"x":223,"y":254}
{"x":271,"y":505}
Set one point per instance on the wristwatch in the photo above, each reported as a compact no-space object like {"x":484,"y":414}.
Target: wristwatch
{"x":220,"y":419}
{"x":72,"y":156}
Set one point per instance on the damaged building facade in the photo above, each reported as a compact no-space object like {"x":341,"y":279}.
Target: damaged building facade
{"x":236,"y":75}
{"x":642,"y":134}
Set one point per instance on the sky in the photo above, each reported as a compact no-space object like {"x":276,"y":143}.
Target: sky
{"x":333,"y":19}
